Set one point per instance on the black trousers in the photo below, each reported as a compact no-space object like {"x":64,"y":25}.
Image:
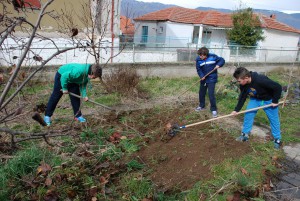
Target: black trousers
{"x":57,"y":94}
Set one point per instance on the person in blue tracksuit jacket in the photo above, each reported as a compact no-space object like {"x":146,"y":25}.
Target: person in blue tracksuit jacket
{"x":262,"y":91}
{"x":207,"y":65}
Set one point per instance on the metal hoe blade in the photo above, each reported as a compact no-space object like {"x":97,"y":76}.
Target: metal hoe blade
{"x":174,"y":130}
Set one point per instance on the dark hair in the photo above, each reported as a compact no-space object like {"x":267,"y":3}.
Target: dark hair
{"x":241,"y":72}
{"x":203,"y":51}
{"x":96,"y":70}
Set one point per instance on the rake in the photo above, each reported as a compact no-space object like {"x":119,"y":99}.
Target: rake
{"x":175,"y":128}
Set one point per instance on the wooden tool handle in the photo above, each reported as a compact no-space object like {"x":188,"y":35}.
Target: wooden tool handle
{"x":75,"y":95}
{"x":198,"y":81}
{"x":228,"y":115}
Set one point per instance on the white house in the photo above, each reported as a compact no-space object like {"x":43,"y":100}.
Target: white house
{"x":182,"y":27}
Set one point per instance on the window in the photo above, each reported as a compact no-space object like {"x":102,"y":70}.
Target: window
{"x":160,"y":30}
{"x":144,"y":34}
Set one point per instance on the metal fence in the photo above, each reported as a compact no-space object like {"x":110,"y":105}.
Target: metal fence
{"x":131,"y":52}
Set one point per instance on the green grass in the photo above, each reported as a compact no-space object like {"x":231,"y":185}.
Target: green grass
{"x":136,"y":187}
{"x":133,"y":183}
{"x":134,"y":165}
{"x":174,"y":87}
{"x":24,"y":162}
{"x":229,"y":174}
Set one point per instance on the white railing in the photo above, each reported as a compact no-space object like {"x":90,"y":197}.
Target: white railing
{"x":139,"y":53}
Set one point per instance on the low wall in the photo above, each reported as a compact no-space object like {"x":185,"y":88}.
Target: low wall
{"x":179,"y":69}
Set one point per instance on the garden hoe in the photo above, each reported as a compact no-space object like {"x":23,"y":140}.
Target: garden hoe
{"x":172,"y":130}
{"x":75,"y":95}
{"x":37,"y":117}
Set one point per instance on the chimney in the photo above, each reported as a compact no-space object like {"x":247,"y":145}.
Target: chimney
{"x":273,"y":16}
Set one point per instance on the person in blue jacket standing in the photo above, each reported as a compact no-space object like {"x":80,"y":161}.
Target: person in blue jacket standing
{"x":73,"y":78}
{"x":207,"y":65}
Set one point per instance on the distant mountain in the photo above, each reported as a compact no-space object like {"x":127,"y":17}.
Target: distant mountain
{"x":133,"y":9}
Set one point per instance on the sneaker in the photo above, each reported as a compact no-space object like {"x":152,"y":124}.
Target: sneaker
{"x":198,"y":109}
{"x":81,"y":119}
{"x":47,"y":120}
{"x":243,"y":138}
{"x":277,"y":144}
{"x":214,"y":114}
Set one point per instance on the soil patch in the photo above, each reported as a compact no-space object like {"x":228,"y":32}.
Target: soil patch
{"x":188,"y":157}
{"x":178,"y":163}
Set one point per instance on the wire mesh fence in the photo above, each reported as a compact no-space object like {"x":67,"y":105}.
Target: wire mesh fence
{"x":131,"y":52}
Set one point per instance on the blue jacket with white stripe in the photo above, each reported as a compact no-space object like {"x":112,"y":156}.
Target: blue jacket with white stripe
{"x":205,"y":66}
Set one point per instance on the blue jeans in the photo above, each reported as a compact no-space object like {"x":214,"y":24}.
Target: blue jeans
{"x":271,"y":112}
{"x":57,"y":94}
{"x":211,"y":95}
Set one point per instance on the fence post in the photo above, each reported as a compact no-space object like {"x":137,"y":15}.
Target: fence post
{"x":163,"y":52}
{"x":133,"y":53}
{"x":237,"y":55}
{"x":66,"y":53}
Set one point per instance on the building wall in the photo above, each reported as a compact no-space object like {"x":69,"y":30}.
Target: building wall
{"x":109,"y":12}
{"x":277,"y":42}
{"x":48,"y":23}
{"x":182,"y":32}
{"x":74,"y":9}
{"x":161,"y":32}
{"x":276,"y":38}
{"x":152,"y":26}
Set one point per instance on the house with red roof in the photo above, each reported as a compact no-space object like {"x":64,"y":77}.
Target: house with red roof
{"x":183,"y":27}
{"x":126,"y":29}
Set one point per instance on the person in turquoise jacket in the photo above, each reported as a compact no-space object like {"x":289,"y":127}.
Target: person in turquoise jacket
{"x":73,"y":78}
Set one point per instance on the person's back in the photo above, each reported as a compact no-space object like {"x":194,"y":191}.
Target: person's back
{"x":71,"y":77}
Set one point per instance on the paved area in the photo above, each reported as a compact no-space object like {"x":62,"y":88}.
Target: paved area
{"x":293,"y":152}
{"x":287,"y":183}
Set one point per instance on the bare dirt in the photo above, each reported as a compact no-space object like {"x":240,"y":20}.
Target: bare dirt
{"x":174,"y":163}
{"x":177,"y":163}
{"x":188,"y":157}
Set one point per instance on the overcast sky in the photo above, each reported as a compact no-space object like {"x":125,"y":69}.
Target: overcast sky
{"x":288,"y":6}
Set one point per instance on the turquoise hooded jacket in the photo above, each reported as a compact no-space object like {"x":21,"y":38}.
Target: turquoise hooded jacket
{"x":75,"y":73}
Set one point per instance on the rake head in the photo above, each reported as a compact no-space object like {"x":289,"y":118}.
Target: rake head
{"x":172,"y":129}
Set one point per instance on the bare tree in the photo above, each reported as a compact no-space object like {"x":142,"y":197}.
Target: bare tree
{"x":91,"y":38}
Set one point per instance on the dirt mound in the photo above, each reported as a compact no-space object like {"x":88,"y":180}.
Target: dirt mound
{"x":188,"y":157}
{"x":181,"y":161}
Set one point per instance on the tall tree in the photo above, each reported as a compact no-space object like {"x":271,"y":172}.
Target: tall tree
{"x":246,"y":28}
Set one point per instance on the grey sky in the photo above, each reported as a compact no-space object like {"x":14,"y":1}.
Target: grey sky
{"x":288,"y":6}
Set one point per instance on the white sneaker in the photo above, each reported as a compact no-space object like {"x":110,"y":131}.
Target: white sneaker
{"x":214,"y":114}
{"x":198,"y":109}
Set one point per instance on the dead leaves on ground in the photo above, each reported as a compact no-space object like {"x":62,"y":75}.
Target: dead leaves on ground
{"x":115,"y":137}
{"x":245,"y":172}
{"x":72,"y":178}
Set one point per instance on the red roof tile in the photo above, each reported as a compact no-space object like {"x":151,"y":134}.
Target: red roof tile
{"x":212,"y":18}
{"x":126,"y":26}
{"x":271,"y":23}
{"x":35,"y":4}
